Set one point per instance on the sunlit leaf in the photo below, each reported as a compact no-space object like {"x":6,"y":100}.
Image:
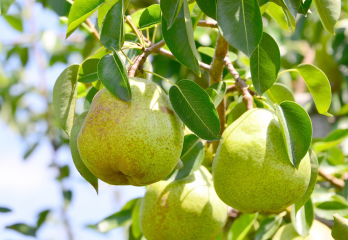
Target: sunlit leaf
{"x":329,"y":12}
{"x":150,"y":17}
{"x":241,"y":226}
{"x":170,"y":10}
{"x":302,"y":219}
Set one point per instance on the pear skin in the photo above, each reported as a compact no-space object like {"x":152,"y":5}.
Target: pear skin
{"x":251,"y":169}
{"x":135,"y":143}
{"x":185,"y":209}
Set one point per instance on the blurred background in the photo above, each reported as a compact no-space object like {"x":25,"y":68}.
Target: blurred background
{"x":41,"y":192}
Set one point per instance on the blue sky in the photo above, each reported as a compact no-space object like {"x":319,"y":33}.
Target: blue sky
{"x":29,"y":186}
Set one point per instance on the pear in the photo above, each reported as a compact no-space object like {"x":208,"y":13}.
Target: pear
{"x":131,"y":143}
{"x":184,"y":209}
{"x":251,"y":169}
{"x":340,"y":228}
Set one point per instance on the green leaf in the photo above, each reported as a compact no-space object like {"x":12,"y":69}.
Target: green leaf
{"x":89,"y":97}
{"x":192,"y":155}
{"x":80,"y":166}
{"x":219,"y":90}
{"x":64,"y":97}
{"x":277,"y":13}
{"x":80,"y":11}
{"x":333,"y":139}
{"x":335,"y":156}
{"x":195,"y":108}
{"x":296,"y":129}
{"x":180,"y":41}
{"x":136,"y":231}
{"x":15,"y":22}
{"x":340,"y":227}
{"x":240,"y":23}
{"x":42,"y":217}
{"x":302,"y":220}
{"x":4,"y":210}
{"x":314,"y":174}
{"x":24,"y":229}
{"x":241,"y":226}
{"x":236,"y":112}
{"x":208,"y":7}
{"x":5,"y":5}
{"x":170,"y":10}
{"x":279,"y":93}
{"x":116,"y":220}
{"x":112,"y":74}
{"x":209,"y":51}
{"x":329,"y":12}
{"x":337,"y":204}
{"x":265,"y":64}
{"x":112,"y":30}
{"x":304,"y":7}
{"x":150,"y":17}
{"x":343,"y":193}
{"x":293,"y":6}
{"x":196,"y":15}
{"x":88,"y":70}
{"x":103,"y":10}
{"x":318,"y":85}
{"x":268,"y":227}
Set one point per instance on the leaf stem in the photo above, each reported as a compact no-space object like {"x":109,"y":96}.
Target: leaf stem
{"x":135,"y":30}
{"x":154,"y":34}
{"x":130,"y":61}
{"x":288,"y":70}
{"x":160,"y":77}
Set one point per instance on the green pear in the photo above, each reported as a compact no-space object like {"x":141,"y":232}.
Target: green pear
{"x":137,"y":142}
{"x":251,"y":169}
{"x":340,"y":228}
{"x":185,"y":209}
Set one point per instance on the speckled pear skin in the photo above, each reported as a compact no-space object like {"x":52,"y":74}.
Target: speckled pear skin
{"x":136,"y":143}
{"x":251,"y":169}
{"x":186,"y":209}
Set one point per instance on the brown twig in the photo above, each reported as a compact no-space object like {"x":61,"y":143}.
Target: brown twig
{"x":338,"y":183}
{"x":240,"y":84}
{"x":215,"y":73}
{"x":94,"y":31}
{"x":211,"y":24}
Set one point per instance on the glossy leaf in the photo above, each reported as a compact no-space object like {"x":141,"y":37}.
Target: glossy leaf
{"x":196,"y":15}
{"x":241,"y":226}
{"x":89,"y":97}
{"x":318,"y":85}
{"x":302,"y":220}
{"x":15,"y":22}
{"x":192,"y":155}
{"x":42,"y":218}
{"x":277,"y":13}
{"x":5,"y":5}
{"x":88,"y":71}
{"x":136,"y":231}
{"x":335,"y":156}
{"x":333,"y":139}
{"x":279,"y":93}
{"x":265,"y":64}
{"x":208,"y":7}
{"x":313,"y":180}
{"x":64,"y":97}
{"x":116,"y":220}
{"x":103,"y":10}
{"x":240,"y":23}
{"x":170,"y":10}
{"x":80,"y":166}
{"x":268,"y":227}
{"x":304,"y":7}
{"x":340,"y":227}
{"x":209,"y":51}
{"x":80,"y":11}
{"x":329,"y":12}
{"x":150,"y":17}
{"x":220,"y":90}
{"x":23,"y":228}
{"x":112,"y":74}
{"x":296,"y":129}
{"x":195,"y":108}
{"x":4,"y":210}
{"x":337,"y":204}
{"x":179,"y":39}
{"x":293,"y":6}
{"x":112,"y":30}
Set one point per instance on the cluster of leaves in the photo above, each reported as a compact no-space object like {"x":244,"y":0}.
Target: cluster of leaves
{"x":197,"y":107}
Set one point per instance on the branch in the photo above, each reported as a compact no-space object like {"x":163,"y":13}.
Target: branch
{"x":211,"y":24}
{"x":241,"y":86}
{"x":215,"y":73}
{"x":338,"y":183}
{"x":94,"y":31}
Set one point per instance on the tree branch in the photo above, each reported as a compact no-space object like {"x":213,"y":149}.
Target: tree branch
{"x":338,"y":183}
{"x":211,"y":24}
{"x":241,"y":86}
{"x":94,"y":31}
{"x":215,"y":73}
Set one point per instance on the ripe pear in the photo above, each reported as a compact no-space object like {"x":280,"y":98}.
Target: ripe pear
{"x":137,"y":142}
{"x":251,"y":169}
{"x":184,"y":209}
